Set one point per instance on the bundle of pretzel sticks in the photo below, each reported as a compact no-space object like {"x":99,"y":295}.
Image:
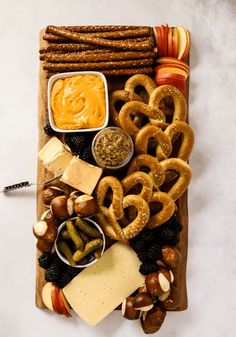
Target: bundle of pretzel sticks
{"x":113,"y":50}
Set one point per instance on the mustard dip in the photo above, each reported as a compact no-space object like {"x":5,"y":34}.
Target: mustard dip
{"x":78,"y":102}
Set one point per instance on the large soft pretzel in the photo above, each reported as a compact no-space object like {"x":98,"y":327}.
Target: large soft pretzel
{"x":140,"y":178}
{"x":180,"y":106}
{"x":151,"y":131}
{"x":168,"y":208}
{"x":185,"y":174}
{"x":147,"y":161}
{"x":137,"y":108}
{"x":107,"y":220}
{"x":121,"y":96}
{"x":117,"y":194}
{"x":174,"y":129}
{"x":140,"y":80}
{"x":143,"y":214}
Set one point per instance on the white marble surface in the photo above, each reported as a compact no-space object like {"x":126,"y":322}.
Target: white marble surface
{"x":212,"y":197}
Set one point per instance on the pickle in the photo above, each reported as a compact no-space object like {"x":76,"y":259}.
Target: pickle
{"x":84,"y":237}
{"x":87,"y":229}
{"x":97,"y":253}
{"x":65,"y":249}
{"x":79,"y":244}
{"x":64,"y":234}
{"x":89,"y":247}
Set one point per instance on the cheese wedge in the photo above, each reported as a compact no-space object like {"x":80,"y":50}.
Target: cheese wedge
{"x":99,"y":289}
{"x":55,"y":156}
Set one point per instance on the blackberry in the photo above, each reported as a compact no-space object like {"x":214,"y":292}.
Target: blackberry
{"x":148,"y":268}
{"x":63,"y":280}
{"x":87,"y":155}
{"x":76,"y":143}
{"x":49,"y":130}
{"x":167,"y":235}
{"x":147,"y":235}
{"x":138,"y":245}
{"x":72,"y":270}
{"x":154,"y":253}
{"x":45,"y":260}
{"x":142,"y":257}
{"x":52,"y":273}
{"x":58,"y":262}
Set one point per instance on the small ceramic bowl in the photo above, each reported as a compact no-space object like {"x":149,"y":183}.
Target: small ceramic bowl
{"x":93,"y":259}
{"x":56,"y":77}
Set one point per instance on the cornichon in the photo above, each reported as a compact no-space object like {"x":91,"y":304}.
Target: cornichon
{"x":97,"y":253}
{"x":89,"y":247}
{"x":65,"y":235}
{"x":87,"y":229}
{"x":75,"y":237}
{"x":65,"y":249}
{"x":84,"y":237}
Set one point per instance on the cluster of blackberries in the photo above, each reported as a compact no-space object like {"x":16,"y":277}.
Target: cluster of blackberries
{"x":80,"y":145}
{"x":56,"y":270}
{"x":49,"y":130}
{"x":148,"y":244}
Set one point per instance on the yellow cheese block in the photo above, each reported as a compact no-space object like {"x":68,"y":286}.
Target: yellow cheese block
{"x":99,"y":289}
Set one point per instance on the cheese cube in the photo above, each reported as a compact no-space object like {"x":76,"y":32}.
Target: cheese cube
{"x":55,"y":156}
{"x":81,"y":175}
{"x":100,"y":288}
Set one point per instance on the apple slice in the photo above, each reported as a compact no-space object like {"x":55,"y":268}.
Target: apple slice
{"x":55,"y":299}
{"x":173,"y":70}
{"x":170,"y":44}
{"x":187,"y":50}
{"x":167,"y":60}
{"x":46,"y":295}
{"x":183,"y":42}
{"x":172,"y":65}
{"x":160,"y":45}
{"x":64,"y":306}
{"x":175,"y":39}
{"x":164,"y":33}
{"x":172,"y":79}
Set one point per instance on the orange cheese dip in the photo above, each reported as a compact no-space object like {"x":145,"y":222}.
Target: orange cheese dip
{"x":78,"y":102}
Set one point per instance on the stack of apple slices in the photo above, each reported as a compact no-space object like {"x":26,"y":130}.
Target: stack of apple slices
{"x":172,"y":42}
{"x":172,"y":71}
{"x":55,"y":300}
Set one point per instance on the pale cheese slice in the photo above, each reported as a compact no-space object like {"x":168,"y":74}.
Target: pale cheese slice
{"x":55,"y":156}
{"x":99,"y":289}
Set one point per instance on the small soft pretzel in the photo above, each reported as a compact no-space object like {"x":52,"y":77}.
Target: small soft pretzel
{"x":180,"y":106}
{"x":140,"y":80}
{"x":123,"y":96}
{"x":179,"y":127}
{"x":156,"y":170}
{"x":141,"y":178}
{"x":117,"y":197}
{"x":151,"y":131}
{"x":142,"y":217}
{"x":168,"y":208}
{"x":109,"y":224}
{"x":137,"y":108}
{"x":185,"y":174}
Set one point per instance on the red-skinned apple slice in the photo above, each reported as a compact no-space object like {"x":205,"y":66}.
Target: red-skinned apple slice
{"x":164,"y":33}
{"x":173,"y":70}
{"x":168,"y":67}
{"x":160,"y":46}
{"x":46,"y":295}
{"x":167,"y":60}
{"x":171,"y":75}
{"x":170,"y":45}
{"x":175,"y":39}
{"x":55,"y":299}
{"x":186,"y":52}
{"x":178,"y":83}
{"x":64,"y":307}
{"x":182,"y":42}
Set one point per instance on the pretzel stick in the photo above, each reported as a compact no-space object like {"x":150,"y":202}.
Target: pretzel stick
{"x":71,"y":47}
{"x":98,"y":28}
{"x":97,"y":65}
{"x":118,"y":72}
{"x":78,"y":37}
{"x":111,"y":56}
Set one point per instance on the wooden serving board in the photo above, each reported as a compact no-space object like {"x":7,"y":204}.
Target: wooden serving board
{"x":114,"y":83}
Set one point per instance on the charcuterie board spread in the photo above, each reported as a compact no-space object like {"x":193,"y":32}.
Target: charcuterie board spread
{"x":113,"y":172}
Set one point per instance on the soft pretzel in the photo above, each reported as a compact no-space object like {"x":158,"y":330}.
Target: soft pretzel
{"x":140,"y":80}
{"x":179,"y":127}
{"x":180,"y":105}
{"x":123,"y":96}
{"x":151,"y":131}
{"x":156,"y":170}
{"x":109,"y":224}
{"x":143,"y":214}
{"x":117,"y":196}
{"x":141,"y":178}
{"x":137,"y":108}
{"x":168,"y":208}
{"x":185,"y":174}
